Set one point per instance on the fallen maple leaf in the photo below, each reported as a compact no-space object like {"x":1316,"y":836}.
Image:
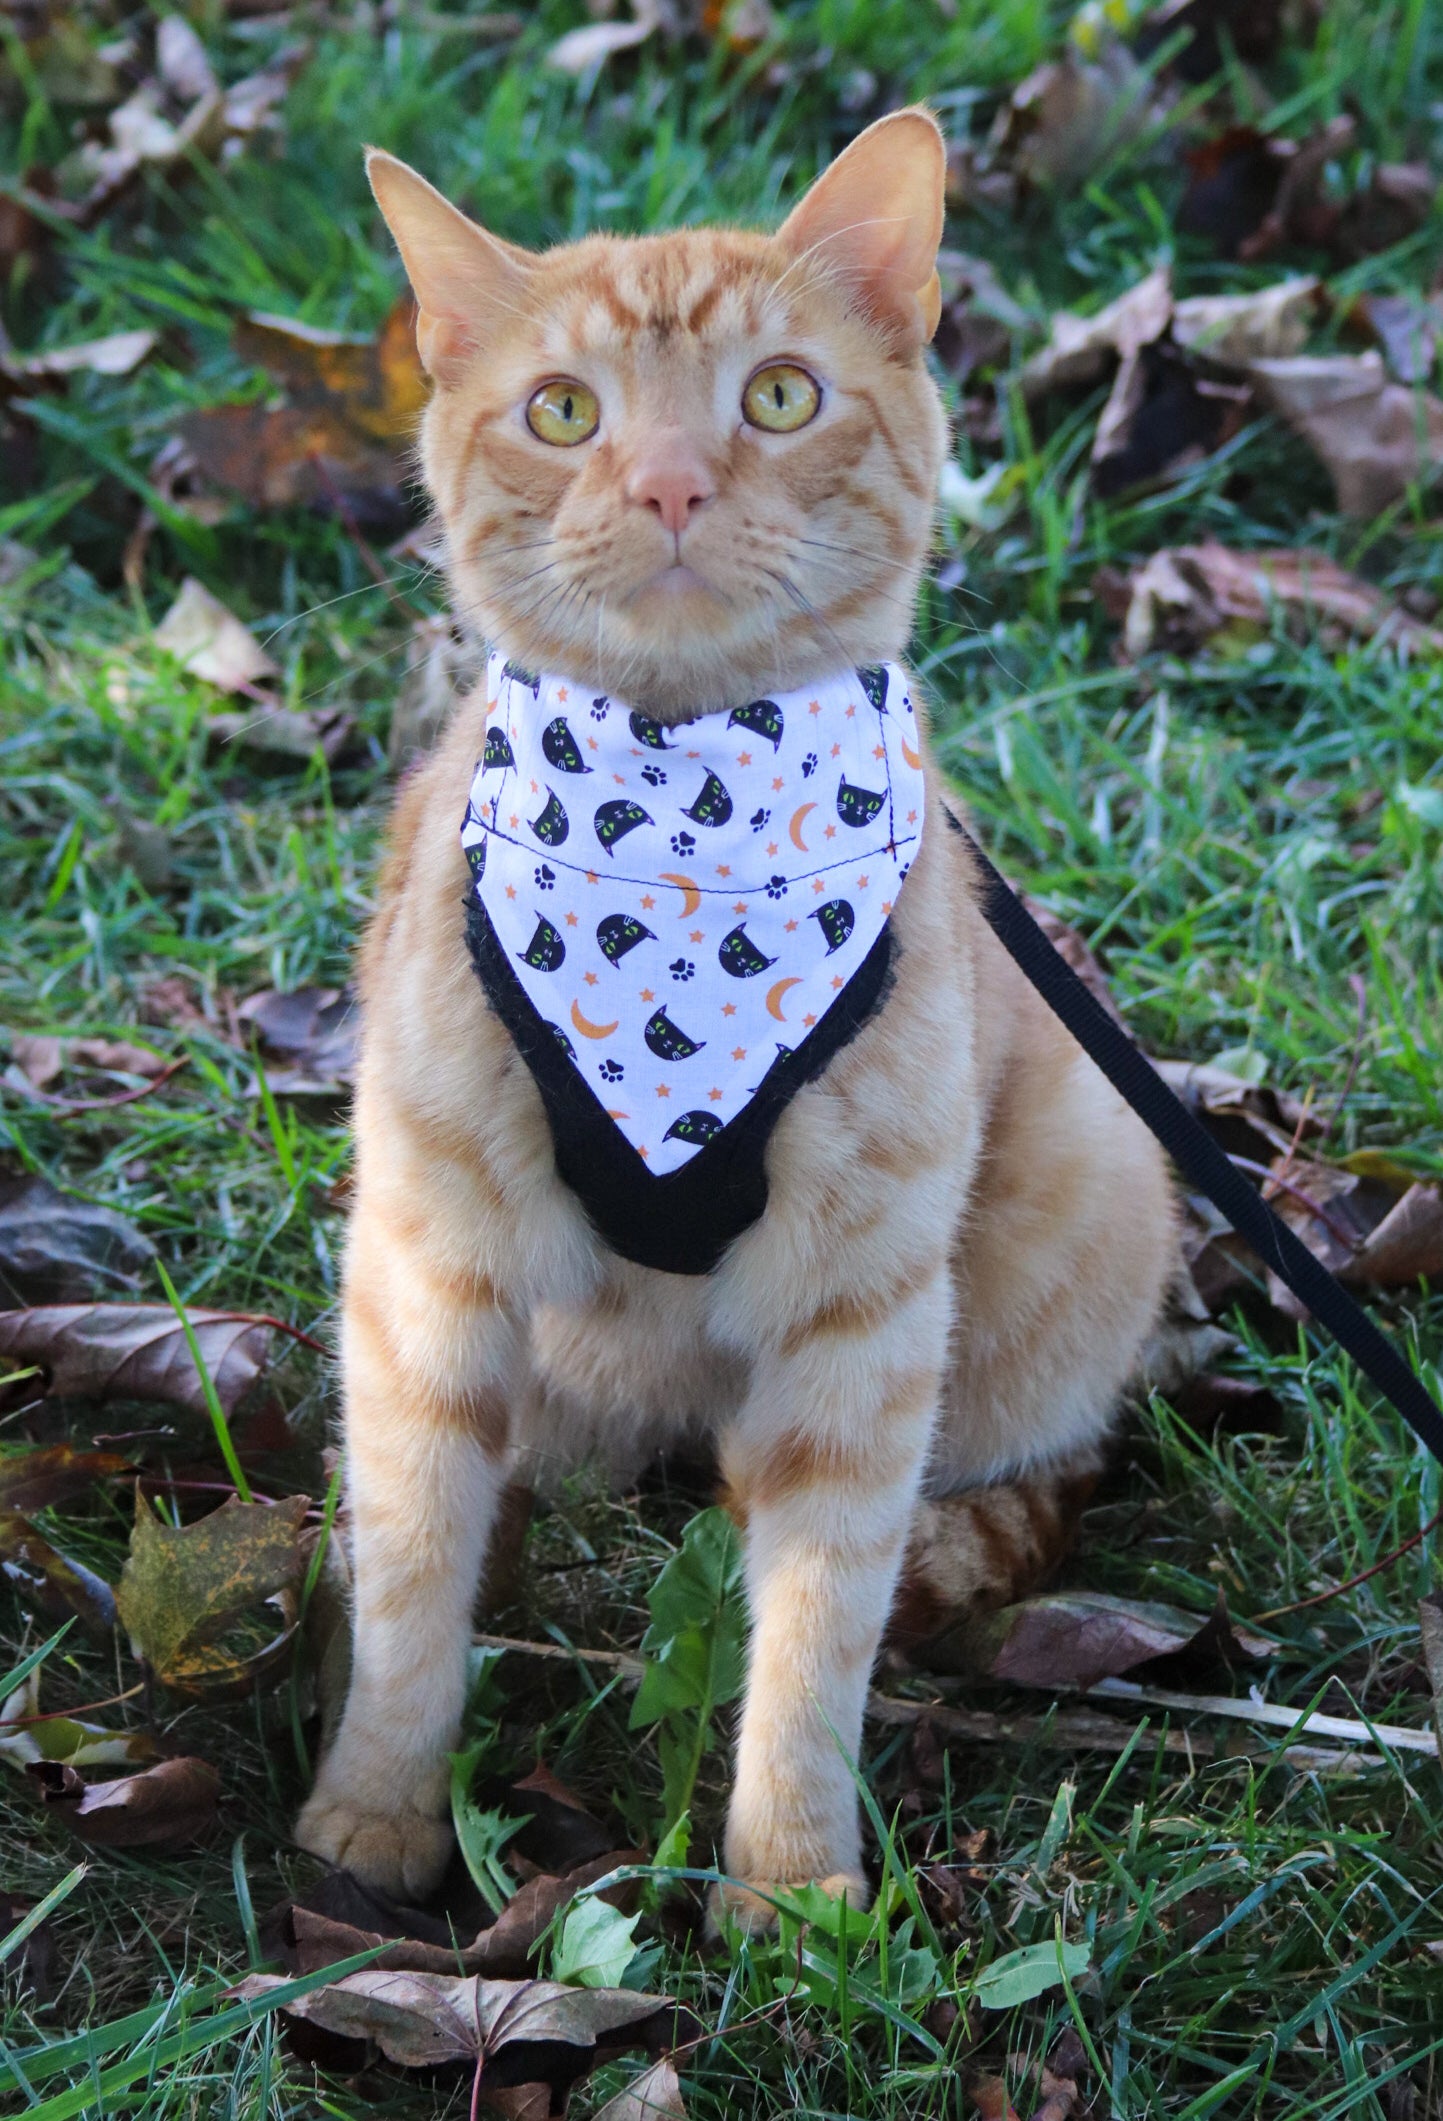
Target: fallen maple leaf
{"x":1375,"y":437}
{"x":211,"y":642}
{"x":165,"y":1805}
{"x":422,"y":2020}
{"x":185,"y":1590}
{"x":136,"y":1351}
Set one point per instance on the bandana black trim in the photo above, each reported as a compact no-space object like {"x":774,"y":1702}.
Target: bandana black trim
{"x":680,"y":1222}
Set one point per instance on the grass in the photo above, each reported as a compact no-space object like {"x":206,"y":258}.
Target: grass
{"x":1233,"y":833}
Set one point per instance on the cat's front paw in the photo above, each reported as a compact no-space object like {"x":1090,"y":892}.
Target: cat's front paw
{"x":749,"y":1905}
{"x":401,"y":1853}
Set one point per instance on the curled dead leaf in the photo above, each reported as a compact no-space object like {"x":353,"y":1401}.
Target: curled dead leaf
{"x":1075,"y":1638}
{"x":1081,"y":350}
{"x":1187,"y":595}
{"x":1375,"y":437}
{"x":136,"y":1351}
{"x":315,"y":1030}
{"x":654,"y":2095}
{"x":119,"y":354}
{"x":163,"y":1806}
{"x":582,"y":49}
{"x":211,"y":642}
{"x":44,"y":1578}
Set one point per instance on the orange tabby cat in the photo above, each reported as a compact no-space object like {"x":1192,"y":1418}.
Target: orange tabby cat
{"x":692,"y":472}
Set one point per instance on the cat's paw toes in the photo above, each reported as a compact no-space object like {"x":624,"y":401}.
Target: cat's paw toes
{"x":749,"y":1905}
{"x":400,"y":1853}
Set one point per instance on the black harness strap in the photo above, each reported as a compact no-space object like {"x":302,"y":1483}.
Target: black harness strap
{"x":1197,"y":1155}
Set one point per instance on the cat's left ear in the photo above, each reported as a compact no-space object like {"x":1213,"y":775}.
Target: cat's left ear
{"x":875,"y":217}
{"x":463,"y":277}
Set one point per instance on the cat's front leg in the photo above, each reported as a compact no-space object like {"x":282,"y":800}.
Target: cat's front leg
{"x":823,"y":1467}
{"x":429,"y":1357}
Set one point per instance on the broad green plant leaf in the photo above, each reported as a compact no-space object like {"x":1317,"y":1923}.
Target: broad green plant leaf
{"x":596,"y":1945}
{"x":694,"y":1651}
{"x":481,"y":1835}
{"x":1019,"y":1976}
{"x":191,"y":1598}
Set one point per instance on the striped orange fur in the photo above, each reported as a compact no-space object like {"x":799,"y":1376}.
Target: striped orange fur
{"x":967,"y":1235}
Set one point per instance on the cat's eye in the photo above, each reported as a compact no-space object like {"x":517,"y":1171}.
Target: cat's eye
{"x":565,"y":413}
{"x":781,"y":398}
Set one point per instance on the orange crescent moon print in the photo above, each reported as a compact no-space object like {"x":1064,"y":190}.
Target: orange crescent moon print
{"x":683,"y":883}
{"x":913,"y":758}
{"x":794,"y":830}
{"x":774,"y":998}
{"x":587,"y":1029}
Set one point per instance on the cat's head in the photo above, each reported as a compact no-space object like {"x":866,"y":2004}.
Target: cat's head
{"x":689,"y":468}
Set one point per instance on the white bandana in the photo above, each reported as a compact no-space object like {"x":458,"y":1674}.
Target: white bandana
{"x":683,"y":904}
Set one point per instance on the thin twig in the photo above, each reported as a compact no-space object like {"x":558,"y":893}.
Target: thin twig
{"x":358,"y":538}
{"x":1315,"y":1208}
{"x":621,"y":1661}
{"x":11,"y":1723}
{"x":1360,"y":995}
{"x":1301,"y":1605}
{"x":264,"y":1318}
{"x":1273,"y":1713}
{"x":66,"y":1108}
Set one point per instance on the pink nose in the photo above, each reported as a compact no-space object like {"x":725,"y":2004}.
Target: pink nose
{"x":671,"y":478}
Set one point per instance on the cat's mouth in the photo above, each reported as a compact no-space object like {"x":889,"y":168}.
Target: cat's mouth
{"x":676,"y":580}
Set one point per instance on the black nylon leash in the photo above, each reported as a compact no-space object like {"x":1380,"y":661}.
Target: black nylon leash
{"x":1205,"y":1166}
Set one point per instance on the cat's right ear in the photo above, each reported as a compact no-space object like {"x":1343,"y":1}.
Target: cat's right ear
{"x":462,"y":278}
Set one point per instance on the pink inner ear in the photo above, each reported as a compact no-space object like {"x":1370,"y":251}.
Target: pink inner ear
{"x":876,"y":216}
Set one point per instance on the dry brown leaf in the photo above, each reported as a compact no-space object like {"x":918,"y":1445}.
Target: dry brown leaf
{"x":315,"y":1029}
{"x":990,"y":2097}
{"x":422,"y":2020}
{"x":288,"y":455}
{"x":287,"y":733}
{"x":1376,"y":438}
{"x":310,"y":1940}
{"x":1075,"y":1638}
{"x":41,"y":1576}
{"x":582,"y":49}
{"x":1081,"y":350}
{"x":377,"y":382}
{"x":119,"y":354}
{"x":1407,"y":330}
{"x":1249,"y":1119}
{"x":57,"y":1249}
{"x":653,"y":2096}
{"x":1070,"y":115}
{"x":1430,"y":1627}
{"x":136,"y":1351}
{"x":1236,"y":329}
{"x":1216,"y":31}
{"x":181,"y":62}
{"x":1406,"y":1245}
{"x":37,"y":1480}
{"x":1185,"y":595}
{"x":1252,"y":192}
{"x":1161,"y":418}
{"x":44,"y":1055}
{"x":1072,"y":946}
{"x":164,"y":1806}
{"x":211,"y":642}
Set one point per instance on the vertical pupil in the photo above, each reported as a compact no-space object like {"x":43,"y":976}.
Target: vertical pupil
{"x":780,"y":395}
{"x":566,"y":406}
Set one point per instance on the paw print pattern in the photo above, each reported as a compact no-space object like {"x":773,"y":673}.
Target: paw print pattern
{"x":653,"y":776}
{"x":545,"y":878}
{"x":759,"y":820}
{"x":611,"y":1071}
{"x":809,"y":765}
{"x":681,"y":968}
{"x":776,"y":887}
{"x":599,"y":707}
{"x":682,"y":842}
